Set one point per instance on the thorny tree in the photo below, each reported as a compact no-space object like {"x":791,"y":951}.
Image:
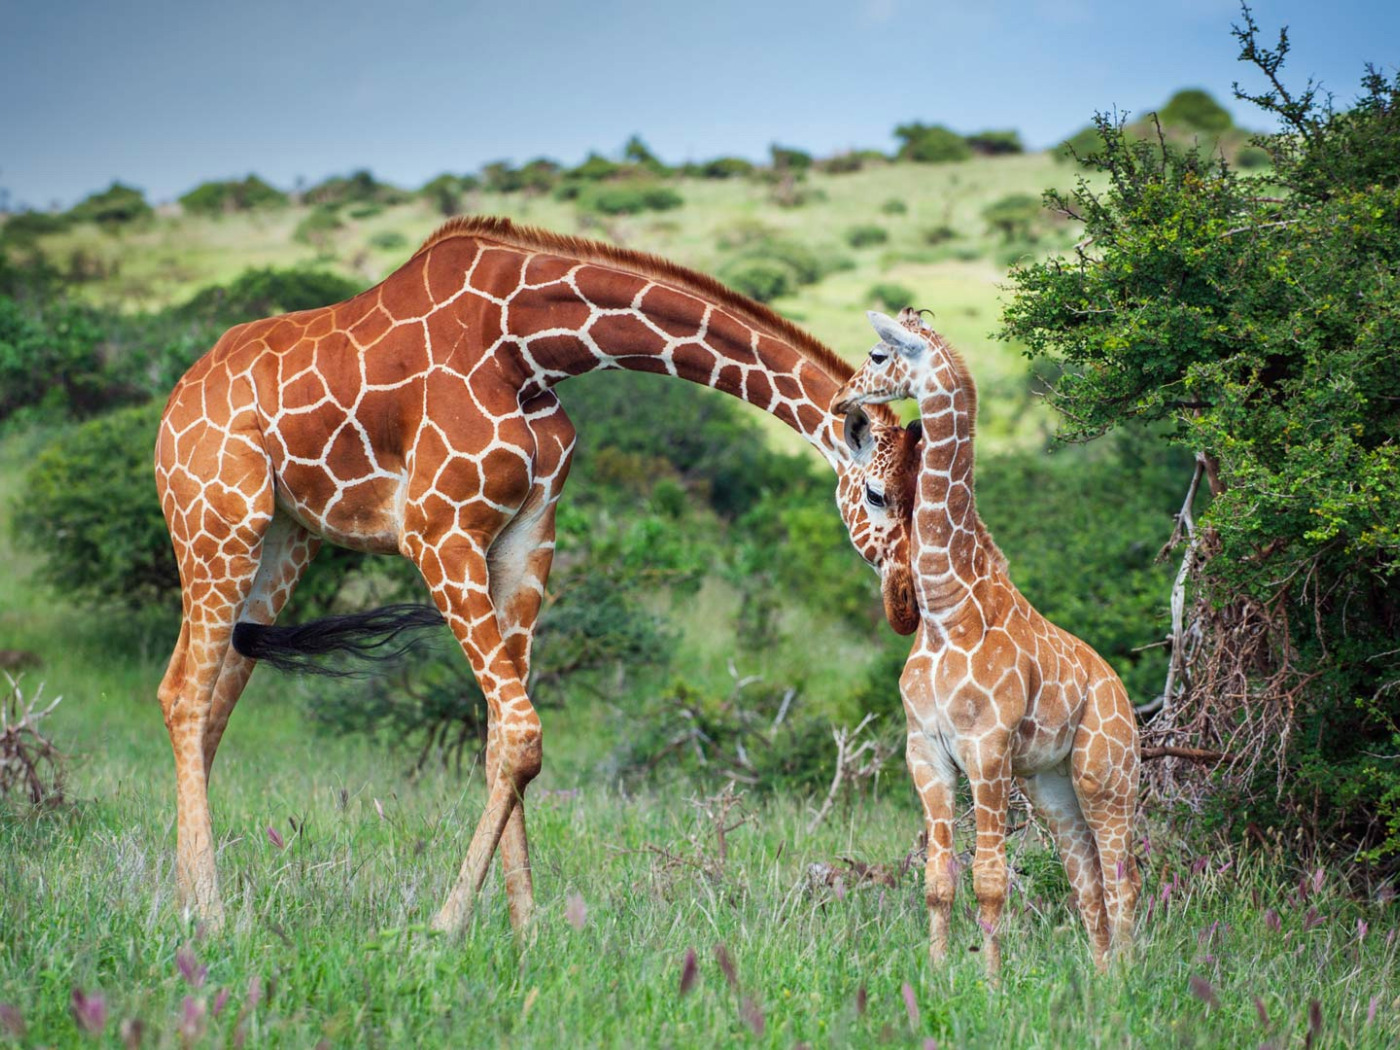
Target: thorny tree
{"x":1256,"y":321}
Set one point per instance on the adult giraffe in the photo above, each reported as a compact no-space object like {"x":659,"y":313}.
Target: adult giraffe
{"x":991,"y":687}
{"x":418,"y":418}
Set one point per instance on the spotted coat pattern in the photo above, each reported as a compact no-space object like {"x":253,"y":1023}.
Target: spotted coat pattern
{"x":991,"y":688}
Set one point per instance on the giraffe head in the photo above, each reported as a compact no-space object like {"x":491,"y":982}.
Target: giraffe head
{"x":876,"y":497}
{"x":910,"y":360}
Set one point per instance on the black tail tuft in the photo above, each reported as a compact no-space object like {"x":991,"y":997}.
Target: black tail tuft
{"x":368,"y":637}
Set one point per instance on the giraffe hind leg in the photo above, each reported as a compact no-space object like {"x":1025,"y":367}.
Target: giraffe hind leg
{"x":1052,"y":794}
{"x":287,"y":550}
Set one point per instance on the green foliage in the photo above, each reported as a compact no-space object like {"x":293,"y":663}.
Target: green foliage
{"x":359,"y":187}
{"x":996,"y":143}
{"x":317,"y":227}
{"x":890,"y":296}
{"x":866,"y":235}
{"x":637,"y":152}
{"x":262,"y":293}
{"x":25,"y":227}
{"x":1263,"y":330}
{"x":760,"y":279}
{"x":722,"y":168}
{"x":219,"y":198}
{"x":930,"y":144}
{"x":893,"y":206}
{"x":942,"y":233}
{"x":1195,"y":109}
{"x":118,"y":205}
{"x":54,"y":361}
{"x":1015,"y":217}
{"x":629,"y":198}
{"x":785,"y":158}
{"x":446,"y":191}
{"x":89,"y":506}
{"x":388,"y":241}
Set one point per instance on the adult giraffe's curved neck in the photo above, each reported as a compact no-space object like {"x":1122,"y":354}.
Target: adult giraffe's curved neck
{"x":564,"y":317}
{"x":953,"y":553}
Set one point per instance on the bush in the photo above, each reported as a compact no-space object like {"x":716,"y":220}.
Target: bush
{"x":89,"y":505}
{"x":785,"y":158}
{"x":1015,"y":217}
{"x":388,"y":241}
{"x":760,"y":279}
{"x":866,"y":236}
{"x":893,"y":297}
{"x":53,"y":361}
{"x":218,"y":198}
{"x":629,"y":199}
{"x":359,"y":187}
{"x":894,"y":206}
{"x":930,"y":144}
{"x":724,"y":168}
{"x":1196,"y":110}
{"x":445,"y":192}
{"x":1257,"y":321}
{"x":117,"y":205}
{"x":25,"y":227}
{"x":995,"y":143}
{"x":940,"y":234}
{"x":262,"y":293}
{"x":317,"y":227}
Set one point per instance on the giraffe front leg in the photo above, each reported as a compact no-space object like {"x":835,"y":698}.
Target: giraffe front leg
{"x":989,"y":770}
{"x":934,"y":780}
{"x":518,"y":751}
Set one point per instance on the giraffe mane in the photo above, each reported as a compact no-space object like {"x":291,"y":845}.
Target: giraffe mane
{"x":503,"y":230}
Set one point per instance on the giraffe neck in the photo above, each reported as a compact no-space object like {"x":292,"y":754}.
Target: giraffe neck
{"x":564,"y":317}
{"x":952,"y":552}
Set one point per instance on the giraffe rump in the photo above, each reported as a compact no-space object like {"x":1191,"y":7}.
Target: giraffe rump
{"x":373,"y":637}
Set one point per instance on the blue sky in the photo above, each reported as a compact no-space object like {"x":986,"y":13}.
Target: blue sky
{"x":164,"y":94}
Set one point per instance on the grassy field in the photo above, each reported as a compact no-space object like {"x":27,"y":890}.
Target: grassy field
{"x":333,"y":860}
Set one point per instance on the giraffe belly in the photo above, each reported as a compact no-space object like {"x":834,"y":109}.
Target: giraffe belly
{"x":364,"y":516}
{"x":1036,"y":747}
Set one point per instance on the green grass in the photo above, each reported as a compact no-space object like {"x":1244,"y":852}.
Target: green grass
{"x":332,"y":925}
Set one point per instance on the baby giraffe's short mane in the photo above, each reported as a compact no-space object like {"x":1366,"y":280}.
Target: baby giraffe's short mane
{"x":532,"y":238}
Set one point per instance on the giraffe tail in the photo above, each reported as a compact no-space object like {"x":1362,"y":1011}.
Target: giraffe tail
{"x":377,"y":636}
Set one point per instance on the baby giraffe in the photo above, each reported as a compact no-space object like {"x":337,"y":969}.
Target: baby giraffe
{"x":991,"y":687}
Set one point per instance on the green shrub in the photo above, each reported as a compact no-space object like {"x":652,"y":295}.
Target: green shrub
{"x":317,"y":227}
{"x":262,"y":293}
{"x":445,"y":192}
{"x":724,"y":168}
{"x":1014,"y":216}
{"x":629,"y":198}
{"x":55,"y":361}
{"x":359,"y":187}
{"x":785,"y":158}
{"x":25,"y":227}
{"x":636,"y":153}
{"x":939,"y":234}
{"x":388,"y":241}
{"x":893,"y":297}
{"x":866,"y":235}
{"x":930,"y":144}
{"x":894,"y":206}
{"x":1196,"y":110}
{"x":760,"y":279}
{"x":117,"y":205}
{"x":218,"y":198}
{"x":995,"y":143}
{"x":365,"y":211}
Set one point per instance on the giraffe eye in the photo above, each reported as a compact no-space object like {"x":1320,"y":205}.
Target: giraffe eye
{"x":874,"y":497}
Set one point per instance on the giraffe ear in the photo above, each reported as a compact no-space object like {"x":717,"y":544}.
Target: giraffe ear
{"x":859,"y":438}
{"x":895,"y":335}
{"x":916,"y":430}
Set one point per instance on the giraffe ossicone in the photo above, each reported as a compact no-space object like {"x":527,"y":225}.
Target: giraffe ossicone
{"x":418,"y":418}
{"x":991,"y":688}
